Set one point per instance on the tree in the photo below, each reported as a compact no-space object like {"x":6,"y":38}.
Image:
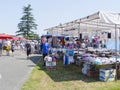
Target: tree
{"x":34,"y":36}
{"x":27,"y":23}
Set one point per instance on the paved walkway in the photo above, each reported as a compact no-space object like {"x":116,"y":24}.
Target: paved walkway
{"x":15,"y":70}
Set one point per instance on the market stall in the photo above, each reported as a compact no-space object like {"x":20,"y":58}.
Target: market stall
{"x":98,"y":29}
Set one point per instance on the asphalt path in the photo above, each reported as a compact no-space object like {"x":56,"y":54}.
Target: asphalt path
{"x":15,"y":69}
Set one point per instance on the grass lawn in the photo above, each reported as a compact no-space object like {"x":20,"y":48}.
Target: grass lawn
{"x":65,"y":78}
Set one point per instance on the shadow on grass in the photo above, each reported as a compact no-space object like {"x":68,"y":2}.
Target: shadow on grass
{"x":66,"y":73}
{"x":35,"y":59}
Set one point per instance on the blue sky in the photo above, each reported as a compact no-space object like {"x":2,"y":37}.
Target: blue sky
{"x":49,"y":13}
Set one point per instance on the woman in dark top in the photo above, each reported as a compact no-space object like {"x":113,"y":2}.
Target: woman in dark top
{"x":0,"y":48}
{"x":12,"y":46}
{"x":28,"y":47}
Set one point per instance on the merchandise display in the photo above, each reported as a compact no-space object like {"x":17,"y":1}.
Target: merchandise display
{"x":50,"y":62}
{"x":97,"y":44}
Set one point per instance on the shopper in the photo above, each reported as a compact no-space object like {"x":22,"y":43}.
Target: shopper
{"x":0,"y":48}
{"x":12,"y":47}
{"x":28,"y":49}
{"x":45,"y":48}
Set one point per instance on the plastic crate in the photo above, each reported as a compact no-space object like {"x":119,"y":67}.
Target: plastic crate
{"x":107,"y":74}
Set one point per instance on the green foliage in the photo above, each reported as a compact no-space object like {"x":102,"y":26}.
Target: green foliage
{"x":34,"y":36}
{"x":27,"y":23}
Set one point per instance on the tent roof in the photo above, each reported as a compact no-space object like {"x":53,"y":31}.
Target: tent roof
{"x":96,"y":21}
{"x":104,"y":17}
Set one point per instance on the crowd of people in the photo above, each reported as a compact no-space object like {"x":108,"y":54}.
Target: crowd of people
{"x":72,"y":43}
{"x":29,"y":46}
{"x":63,"y":42}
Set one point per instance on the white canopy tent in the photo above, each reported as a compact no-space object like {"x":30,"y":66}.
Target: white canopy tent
{"x":91,"y":24}
{"x":104,"y":17}
{"x":94,"y":23}
{"x":102,"y":21}
{"x":97,"y":21}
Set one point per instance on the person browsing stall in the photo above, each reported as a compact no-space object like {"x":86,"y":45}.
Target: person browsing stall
{"x":28,"y":49}
{"x":0,"y":48}
{"x":45,"y":48}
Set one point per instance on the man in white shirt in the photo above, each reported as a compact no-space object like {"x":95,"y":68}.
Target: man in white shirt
{"x":83,"y":45}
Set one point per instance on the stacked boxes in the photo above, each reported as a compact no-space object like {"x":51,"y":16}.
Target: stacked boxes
{"x":50,"y":63}
{"x":107,"y":74}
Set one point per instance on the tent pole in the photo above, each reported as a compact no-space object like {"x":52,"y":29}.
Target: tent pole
{"x":119,"y":40}
{"x":79,"y":35}
{"x":116,"y":49}
{"x":79,"y":31}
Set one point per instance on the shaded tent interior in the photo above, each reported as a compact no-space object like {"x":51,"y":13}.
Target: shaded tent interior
{"x":97,"y":23}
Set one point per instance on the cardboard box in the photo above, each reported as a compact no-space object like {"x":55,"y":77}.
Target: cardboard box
{"x":106,"y":79}
{"x":48,"y":63}
{"x":107,"y":74}
{"x":53,"y":63}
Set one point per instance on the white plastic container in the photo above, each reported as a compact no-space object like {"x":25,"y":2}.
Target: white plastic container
{"x":107,"y":74}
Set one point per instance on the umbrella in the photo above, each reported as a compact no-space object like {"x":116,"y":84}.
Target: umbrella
{"x":5,"y":36}
{"x":15,"y":38}
{"x":22,"y":38}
